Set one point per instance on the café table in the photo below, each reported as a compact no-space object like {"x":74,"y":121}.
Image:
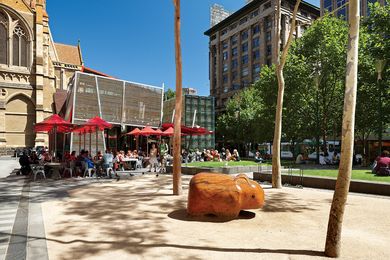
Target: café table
{"x":56,"y":169}
{"x":131,"y":161}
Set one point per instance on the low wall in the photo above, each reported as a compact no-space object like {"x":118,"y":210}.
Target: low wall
{"x":190,"y":170}
{"x":377,"y":188}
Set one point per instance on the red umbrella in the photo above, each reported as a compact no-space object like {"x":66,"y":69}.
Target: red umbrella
{"x":92,"y":125}
{"x":135,"y":132}
{"x":158,"y":132}
{"x":54,"y":123}
{"x":147,"y":130}
{"x":168,"y":131}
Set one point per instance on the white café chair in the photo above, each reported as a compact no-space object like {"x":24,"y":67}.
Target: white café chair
{"x":70,"y":168}
{"x":39,"y":169}
{"x":87,"y":170}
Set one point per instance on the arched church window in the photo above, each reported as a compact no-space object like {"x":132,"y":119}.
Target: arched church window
{"x":3,"y":39}
{"x":20,"y":47}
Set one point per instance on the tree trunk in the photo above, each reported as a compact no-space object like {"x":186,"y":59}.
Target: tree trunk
{"x":276,"y":172}
{"x":333,"y":243}
{"x":177,"y":187}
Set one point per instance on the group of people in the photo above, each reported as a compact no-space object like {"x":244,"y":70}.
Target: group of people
{"x":26,"y":160}
{"x":208,"y":155}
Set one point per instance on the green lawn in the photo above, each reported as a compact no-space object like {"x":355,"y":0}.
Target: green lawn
{"x":221,"y":164}
{"x":364,"y":175}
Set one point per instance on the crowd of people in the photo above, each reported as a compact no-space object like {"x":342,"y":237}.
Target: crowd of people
{"x":208,"y":155}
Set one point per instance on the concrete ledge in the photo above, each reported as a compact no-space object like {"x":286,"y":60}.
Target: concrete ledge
{"x":190,"y":170}
{"x":378,"y":188}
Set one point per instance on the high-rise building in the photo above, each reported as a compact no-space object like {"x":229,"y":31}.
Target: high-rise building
{"x":342,"y":7}
{"x":243,"y":42}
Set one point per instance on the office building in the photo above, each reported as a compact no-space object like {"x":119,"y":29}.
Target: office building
{"x":244,"y":41}
{"x":342,"y":7}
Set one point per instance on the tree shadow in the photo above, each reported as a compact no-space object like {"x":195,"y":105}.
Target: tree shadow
{"x":286,"y":202}
{"x":181,"y":214}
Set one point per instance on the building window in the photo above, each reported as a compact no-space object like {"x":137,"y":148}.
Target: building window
{"x":269,"y":50}
{"x":343,"y":11}
{"x":256,"y":68}
{"x":225,"y":79}
{"x":244,"y":47}
{"x":268,"y":36}
{"x":233,"y":26}
{"x":225,"y":67}
{"x":244,"y":35}
{"x":268,"y":23}
{"x":234,"y":39}
{"x":244,"y":72}
{"x":235,"y":86}
{"x":244,"y":59}
{"x":225,"y":55}
{"x":19,"y":47}
{"x":243,"y":20}
{"x":234,"y":75}
{"x":256,"y":29}
{"x":224,"y":45}
{"x":18,"y":41}
{"x":256,"y":55}
{"x":234,"y":52}
{"x":224,"y":31}
{"x":255,"y":42}
{"x":255,"y":13}
{"x":266,"y":6}
{"x":213,"y":37}
{"x":269,"y":62}
{"x":234,"y":63}
{"x":328,"y":5}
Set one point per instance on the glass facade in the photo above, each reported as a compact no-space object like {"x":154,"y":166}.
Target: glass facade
{"x":204,"y":117}
{"x":119,"y":102}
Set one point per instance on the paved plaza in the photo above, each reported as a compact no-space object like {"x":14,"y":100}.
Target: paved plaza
{"x":138,"y":218}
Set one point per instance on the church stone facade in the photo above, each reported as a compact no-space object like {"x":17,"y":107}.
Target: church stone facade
{"x":32,"y":69}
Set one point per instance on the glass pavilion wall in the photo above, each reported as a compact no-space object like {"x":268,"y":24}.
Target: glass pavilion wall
{"x":122,"y":103}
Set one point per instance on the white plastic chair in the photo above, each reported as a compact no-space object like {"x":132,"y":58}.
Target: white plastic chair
{"x":39,"y":170}
{"x":70,"y":168}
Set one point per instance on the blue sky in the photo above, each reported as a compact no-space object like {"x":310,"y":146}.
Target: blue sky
{"x":134,"y":40}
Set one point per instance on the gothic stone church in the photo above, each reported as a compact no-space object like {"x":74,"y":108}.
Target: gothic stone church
{"x":33,"y":71}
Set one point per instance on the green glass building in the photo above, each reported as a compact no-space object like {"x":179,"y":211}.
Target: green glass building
{"x":197,"y":110}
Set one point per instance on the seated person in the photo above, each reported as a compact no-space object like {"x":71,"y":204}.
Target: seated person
{"x":24,"y":162}
{"x":228,"y":155}
{"x":382,"y":167}
{"x":129,"y":154}
{"x":88,"y":161}
{"x":235,"y":155}
{"x":258,"y":158}
{"x":34,"y":158}
{"x":322,"y":159}
{"x":216,"y":156}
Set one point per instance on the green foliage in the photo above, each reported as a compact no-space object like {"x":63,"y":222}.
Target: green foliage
{"x":169,"y":94}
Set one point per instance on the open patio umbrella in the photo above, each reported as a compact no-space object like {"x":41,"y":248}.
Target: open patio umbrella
{"x":147,"y":131}
{"x":54,"y":124}
{"x":135,"y":132}
{"x":96,"y":124}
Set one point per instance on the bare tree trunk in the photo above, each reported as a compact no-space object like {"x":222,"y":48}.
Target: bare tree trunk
{"x":333,"y":238}
{"x":276,"y":172}
{"x":177,"y":187}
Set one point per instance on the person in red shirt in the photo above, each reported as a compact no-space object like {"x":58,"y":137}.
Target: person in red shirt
{"x":383,"y":164}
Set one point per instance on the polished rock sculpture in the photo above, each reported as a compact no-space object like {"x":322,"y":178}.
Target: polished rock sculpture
{"x":222,"y":195}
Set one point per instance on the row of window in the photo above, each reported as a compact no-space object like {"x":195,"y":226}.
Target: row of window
{"x":244,"y":72}
{"x":244,"y":48}
{"x":244,"y":20}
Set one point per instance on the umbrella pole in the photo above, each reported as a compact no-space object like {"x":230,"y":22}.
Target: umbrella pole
{"x":63,"y":144}
{"x":85,"y":133}
{"x":79,"y":142}
{"x":90,"y":140}
{"x":55,"y":143}
{"x":97,"y":135}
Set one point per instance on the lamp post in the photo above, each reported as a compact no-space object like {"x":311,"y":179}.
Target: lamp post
{"x":379,"y":67}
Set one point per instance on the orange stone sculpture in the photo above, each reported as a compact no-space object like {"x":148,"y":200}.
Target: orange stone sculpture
{"x":222,"y":195}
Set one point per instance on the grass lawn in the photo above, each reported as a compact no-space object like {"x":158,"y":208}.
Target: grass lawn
{"x":364,"y":175}
{"x":222,"y":164}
